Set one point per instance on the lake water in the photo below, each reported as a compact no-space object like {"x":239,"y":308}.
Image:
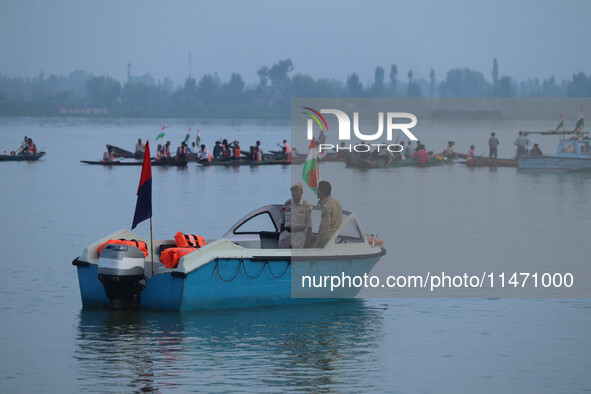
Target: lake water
{"x":53,"y":208}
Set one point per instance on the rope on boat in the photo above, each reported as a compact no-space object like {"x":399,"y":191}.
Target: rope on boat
{"x":283,"y":273}
{"x":242,"y":265}
{"x":216,"y":268}
{"x":309,"y":269}
{"x":246,"y":273}
{"x":313,"y":264}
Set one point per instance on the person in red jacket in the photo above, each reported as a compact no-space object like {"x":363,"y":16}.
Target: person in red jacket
{"x":420,"y":155}
{"x":31,"y":147}
{"x":470,"y":154}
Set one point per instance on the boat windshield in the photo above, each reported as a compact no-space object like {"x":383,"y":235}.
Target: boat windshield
{"x":261,"y":228}
{"x":261,"y":222}
{"x":568,"y":147}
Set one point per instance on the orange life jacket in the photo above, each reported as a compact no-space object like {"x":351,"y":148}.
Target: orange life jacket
{"x":132,"y":242}
{"x":237,"y":153}
{"x":189,"y":240}
{"x":170,"y":257}
{"x":226,"y":152}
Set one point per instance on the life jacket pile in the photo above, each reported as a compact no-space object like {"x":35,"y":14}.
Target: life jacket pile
{"x":185,"y":244}
{"x":131,"y":242}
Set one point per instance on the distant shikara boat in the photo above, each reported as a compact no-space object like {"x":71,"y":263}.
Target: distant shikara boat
{"x":164,"y":162}
{"x":34,"y":157}
{"x":435,"y":160}
{"x":325,"y":156}
{"x":242,"y":162}
{"x":489,"y":162}
{"x":244,"y":268}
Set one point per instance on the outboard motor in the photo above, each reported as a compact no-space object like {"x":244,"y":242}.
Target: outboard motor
{"x":121,"y":271}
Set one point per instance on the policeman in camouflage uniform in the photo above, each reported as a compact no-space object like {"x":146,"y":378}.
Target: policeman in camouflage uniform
{"x":296,"y":220}
{"x":332,"y":214}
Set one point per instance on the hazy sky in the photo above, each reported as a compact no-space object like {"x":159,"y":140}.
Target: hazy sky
{"x":329,"y":39}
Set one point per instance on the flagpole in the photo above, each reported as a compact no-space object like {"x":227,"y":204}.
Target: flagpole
{"x":143,"y":207}
{"x":151,"y":246}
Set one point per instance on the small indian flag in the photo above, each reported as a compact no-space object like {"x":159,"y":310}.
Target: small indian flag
{"x":311,"y":172}
{"x":188,"y":135}
{"x":161,"y":135}
{"x":198,"y":139}
{"x":561,"y":124}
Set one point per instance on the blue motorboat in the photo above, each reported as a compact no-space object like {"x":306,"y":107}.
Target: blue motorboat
{"x":244,"y":268}
{"x":573,"y":154}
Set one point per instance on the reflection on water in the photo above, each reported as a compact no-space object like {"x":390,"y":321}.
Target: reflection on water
{"x":315,"y":346}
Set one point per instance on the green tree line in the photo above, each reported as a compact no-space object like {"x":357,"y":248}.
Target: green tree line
{"x":83,"y":93}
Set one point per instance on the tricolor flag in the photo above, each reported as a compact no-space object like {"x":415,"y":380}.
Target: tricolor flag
{"x":581,"y":121}
{"x":188,"y":135}
{"x":198,"y":139}
{"x":143,"y":207}
{"x":561,"y":124}
{"x":161,"y":135}
{"x":311,"y":172}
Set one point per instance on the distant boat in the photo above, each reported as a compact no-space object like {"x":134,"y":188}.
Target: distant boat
{"x":325,"y":156}
{"x":573,"y":154}
{"x":435,"y":160}
{"x":266,"y":156}
{"x":34,"y":157}
{"x":242,"y":162}
{"x":488,"y":162}
{"x":167,"y":162}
